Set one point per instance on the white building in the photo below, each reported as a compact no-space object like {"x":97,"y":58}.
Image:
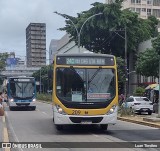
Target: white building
{"x":144,"y":8}
{"x":64,"y":45}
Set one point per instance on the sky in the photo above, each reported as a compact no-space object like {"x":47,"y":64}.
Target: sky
{"x":16,"y":15}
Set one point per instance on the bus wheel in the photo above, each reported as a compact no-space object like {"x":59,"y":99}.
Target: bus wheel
{"x":33,"y":108}
{"x":104,"y":126}
{"x":59,"y":127}
{"x":11,"y":108}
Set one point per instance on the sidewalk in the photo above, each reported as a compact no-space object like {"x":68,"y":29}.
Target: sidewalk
{"x":148,"y":120}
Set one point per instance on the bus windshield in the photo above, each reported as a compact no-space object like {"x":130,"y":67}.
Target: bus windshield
{"x":22,"y":89}
{"x":85,"y":85}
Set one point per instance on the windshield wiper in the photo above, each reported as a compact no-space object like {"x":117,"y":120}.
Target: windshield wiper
{"x":93,"y":76}
{"x":73,"y":69}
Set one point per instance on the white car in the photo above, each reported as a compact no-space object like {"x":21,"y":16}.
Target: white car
{"x":139,"y":104}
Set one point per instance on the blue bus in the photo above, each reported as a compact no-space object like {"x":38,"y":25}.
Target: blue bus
{"x":21,"y":92}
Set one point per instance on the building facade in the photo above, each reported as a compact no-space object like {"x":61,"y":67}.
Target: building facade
{"x":36,"y":45}
{"x":64,"y":45}
{"x":52,"y":50}
{"x":144,"y":8}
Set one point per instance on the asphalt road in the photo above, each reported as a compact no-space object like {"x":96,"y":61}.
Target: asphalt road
{"x":37,"y":126}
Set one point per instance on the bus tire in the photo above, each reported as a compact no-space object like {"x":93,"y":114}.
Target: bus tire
{"x":59,"y":127}
{"x":11,"y":108}
{"x":104,"y":126}
{"x":33,"y":108}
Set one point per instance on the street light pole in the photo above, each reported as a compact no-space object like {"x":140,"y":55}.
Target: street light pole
{"x":79,"y":32}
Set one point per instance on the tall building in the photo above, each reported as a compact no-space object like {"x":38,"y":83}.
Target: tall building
{"x":36,"y":45}
{"x":144,"y":8}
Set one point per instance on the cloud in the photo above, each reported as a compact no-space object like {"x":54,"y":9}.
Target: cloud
{"x":15,"y":16}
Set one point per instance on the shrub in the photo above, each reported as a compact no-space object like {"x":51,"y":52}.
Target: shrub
{"x":125,"y":111}
{"x":139,"y":91}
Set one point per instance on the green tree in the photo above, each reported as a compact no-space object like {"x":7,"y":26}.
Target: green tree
{"x":105,"y":33}
{"x":3,"y":57}
{"x":148,"y":62}
{"x":139,"y":91}
{"x":46,"y":77}
{"x":156,"y":44}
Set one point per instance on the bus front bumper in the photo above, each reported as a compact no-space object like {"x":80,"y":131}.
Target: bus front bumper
{"x":61,"y":119}
{"x":22,"y":104}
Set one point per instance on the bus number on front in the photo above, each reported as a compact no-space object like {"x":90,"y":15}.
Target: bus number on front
{"x":76,"y":112}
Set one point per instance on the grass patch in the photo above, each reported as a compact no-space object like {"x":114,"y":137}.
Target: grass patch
{"x":44,"y":97}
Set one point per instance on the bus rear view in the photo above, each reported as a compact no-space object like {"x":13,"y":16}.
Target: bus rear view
{"x":21,"y":92}
{"x":85,"y":90}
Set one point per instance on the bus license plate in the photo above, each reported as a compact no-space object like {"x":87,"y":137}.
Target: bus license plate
{"x":86,"y":122}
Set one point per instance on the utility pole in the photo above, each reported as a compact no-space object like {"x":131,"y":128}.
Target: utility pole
{"x":125,"y":57}
{"x":126,"y":72}
{"x":40,"y":81}
{"x":159,"y":93}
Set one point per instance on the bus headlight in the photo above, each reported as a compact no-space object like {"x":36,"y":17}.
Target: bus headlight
{"x":11,"y":100}
{"x":112,"y":110}
{"x":60,"y":110}
{"x":34,"y":100}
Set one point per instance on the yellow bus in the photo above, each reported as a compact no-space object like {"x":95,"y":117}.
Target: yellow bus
{"x":85,"y":90}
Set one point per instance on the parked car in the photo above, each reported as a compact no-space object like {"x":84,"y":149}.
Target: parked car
{"x":139,"y":104}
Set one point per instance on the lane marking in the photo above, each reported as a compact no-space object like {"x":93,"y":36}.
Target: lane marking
{"x":45,"y":113}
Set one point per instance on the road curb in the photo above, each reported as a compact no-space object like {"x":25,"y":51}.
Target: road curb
{"x":155,"y":125}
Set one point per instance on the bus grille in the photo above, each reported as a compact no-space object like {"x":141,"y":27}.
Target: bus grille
{"x":22,"y":104}
{"x":81,"y":119}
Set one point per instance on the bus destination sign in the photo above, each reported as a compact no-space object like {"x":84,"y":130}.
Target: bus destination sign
{"x":101,"y":61}
{"x":22,"y":80}
{"x":85,"y":61}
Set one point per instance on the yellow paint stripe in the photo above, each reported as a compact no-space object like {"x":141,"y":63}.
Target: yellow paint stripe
{"x":3,"y":119}
{"x":5,"y":133}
